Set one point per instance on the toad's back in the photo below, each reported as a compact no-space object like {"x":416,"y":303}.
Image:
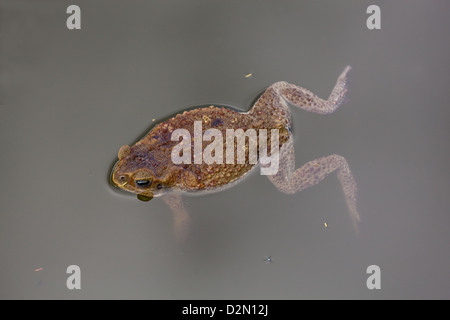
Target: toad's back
{"x":202,"y":175}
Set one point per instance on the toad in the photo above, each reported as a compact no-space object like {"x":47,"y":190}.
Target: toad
{"x":148,"y":169}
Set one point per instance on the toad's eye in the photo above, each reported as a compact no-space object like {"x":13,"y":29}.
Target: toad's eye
{"x":159,"y":186}
{"x":143,"y":183}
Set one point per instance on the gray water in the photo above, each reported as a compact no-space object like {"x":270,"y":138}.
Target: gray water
{"x":70,"y":99}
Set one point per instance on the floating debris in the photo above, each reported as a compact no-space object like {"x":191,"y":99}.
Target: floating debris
{"x":248,"y":75}
{"x":38,"y":269}
{"x":325,"y":224}
{"x":268,"y":259}
{"x":153,"y":120}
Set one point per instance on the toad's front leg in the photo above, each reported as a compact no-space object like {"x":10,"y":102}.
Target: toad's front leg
{"x":288,"y":180}
{"x":181,"y":219}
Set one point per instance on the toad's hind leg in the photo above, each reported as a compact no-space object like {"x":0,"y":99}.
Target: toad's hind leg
{"x":273,"y":100}
{"x":288,"y":180}
{"x":306,"y":100}
{"x":273,"y":103}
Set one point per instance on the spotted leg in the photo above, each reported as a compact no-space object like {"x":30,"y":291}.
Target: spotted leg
{"x":273,"y":102}
{"x":181,"y":220}
{"x":288,"y":180}
{"x":306,"y":100}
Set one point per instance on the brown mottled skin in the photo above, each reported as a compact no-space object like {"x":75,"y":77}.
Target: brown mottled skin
{"x":149,"y":161}
{"x":150,"y":158}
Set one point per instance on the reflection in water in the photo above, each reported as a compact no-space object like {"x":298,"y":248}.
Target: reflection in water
{"x":148,"y":170}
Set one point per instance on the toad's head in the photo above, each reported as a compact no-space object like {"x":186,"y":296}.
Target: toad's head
{"x":143,"y":171}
